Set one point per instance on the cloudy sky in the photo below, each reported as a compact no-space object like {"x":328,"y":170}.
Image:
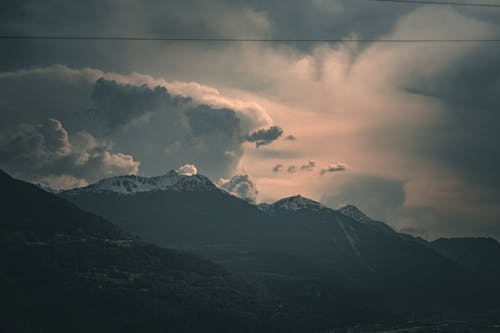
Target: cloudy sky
{"x":408,"y":132}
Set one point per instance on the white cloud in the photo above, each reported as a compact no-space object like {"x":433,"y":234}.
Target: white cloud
{"x":61,"y":182}
{"x":241,"y":186}
{"x":187,"y":170}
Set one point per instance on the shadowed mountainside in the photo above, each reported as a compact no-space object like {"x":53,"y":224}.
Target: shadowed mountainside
{"x":332,"y":261}
{"x":66,"y":270}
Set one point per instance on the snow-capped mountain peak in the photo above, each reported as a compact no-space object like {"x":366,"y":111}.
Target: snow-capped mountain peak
{"x":47,"y":188}
{"x":353,"y":212}
{"x":296,"y":203}
{"x":131,"y":184}
{"x":356,"y":214}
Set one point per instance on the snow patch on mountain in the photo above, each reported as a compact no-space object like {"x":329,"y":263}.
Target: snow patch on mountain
{"x":356,"y":214}
{"x":47,"y":188}
{"x":171,"y":181}
{"x":352,"y":238}
{"x":294,"y":203}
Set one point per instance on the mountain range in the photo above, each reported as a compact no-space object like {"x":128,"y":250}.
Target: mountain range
{"x":175,"y":253}
{"x":327,"y":260}
{"x":67,"y":270}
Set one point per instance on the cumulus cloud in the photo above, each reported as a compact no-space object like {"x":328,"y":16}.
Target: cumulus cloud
{"x":177,"y":128}
{"x":117,"y":164}
{"x":338,"y":167}
{"x":264,"y":136}
{"x":117,"y":105}
{"x":241,"y":186}
{"x":187,"y":170}
{"x":61,"y":182}
{"x":309,"y":166}
{"x":34,"y":145}
{"x":410,"y":98}
{"x":278,"y":168}
{"x":158,"y":122}
{"x":46,"y":152}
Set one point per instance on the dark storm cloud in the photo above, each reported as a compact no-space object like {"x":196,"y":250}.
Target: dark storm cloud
{"x":95,"y":17}
{"x":241,"y":186}
{"x":206,"y":121}
{"x":264,"y":136}
{"x":173,"y":129}
{"x":32,"y":146}
{"x":146,"y":124}
{"x":465,"y":141}
{"x":116,"y":104}
{"x":468,"y":138}
{"x":35,"y":151}
{"x":219,"y":18}
{"x":58,"y":92}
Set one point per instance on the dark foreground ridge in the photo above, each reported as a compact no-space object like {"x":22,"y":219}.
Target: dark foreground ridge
{"x":66,"y":270}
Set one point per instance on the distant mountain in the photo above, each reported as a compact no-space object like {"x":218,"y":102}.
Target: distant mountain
{"x":304,"y":251}
{"x":356,"y":214}
{"x":171,"y":181}
{"x":478,"y":255}
{"x":66,"y":270}
{"x":295,"y":203}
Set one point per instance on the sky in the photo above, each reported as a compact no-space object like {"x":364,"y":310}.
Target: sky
{"x":407,"y":132}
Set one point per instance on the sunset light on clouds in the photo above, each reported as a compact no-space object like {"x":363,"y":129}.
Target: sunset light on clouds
{"x":375,"y":123}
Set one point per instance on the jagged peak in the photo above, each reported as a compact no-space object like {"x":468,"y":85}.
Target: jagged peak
{"x":47,"y":188}
{"x":357,"y":215}
{"x":353,"y":212}
{"x":297,"y":202}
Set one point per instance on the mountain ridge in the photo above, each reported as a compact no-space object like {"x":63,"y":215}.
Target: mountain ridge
{"x":67,"y":270}
{"x":132,"y":184}
{"x":292,"y":239}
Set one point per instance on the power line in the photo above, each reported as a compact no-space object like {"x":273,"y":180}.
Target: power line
{"x":470,"y":4}
{"x":230,"y":40}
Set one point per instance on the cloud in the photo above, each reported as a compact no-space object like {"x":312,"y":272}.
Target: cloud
{"x":32,"y":146}
{"x":290,"y":138}
{"x":241,"y":186}
{"x":117,"y":105}
{"x":187,"y":170}
{"x":264,"y":136}
{"x":309,"y":166}
{"x":278,"y":168}
{"x":158,"y":122}
{"x":429,"y":116}
{"x":119,"y":164}
{"x":45,"y":152}
{"x":61,"y":182}
{"x":338,"y":167}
